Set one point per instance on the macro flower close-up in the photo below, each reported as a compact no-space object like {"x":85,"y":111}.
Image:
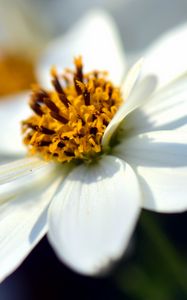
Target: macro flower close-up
{"x":102,"y":143}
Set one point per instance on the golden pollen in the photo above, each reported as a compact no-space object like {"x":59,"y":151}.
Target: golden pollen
{"x":16,"y":73}
{"x":69,"y":122}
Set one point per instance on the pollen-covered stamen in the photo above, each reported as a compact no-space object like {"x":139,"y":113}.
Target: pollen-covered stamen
{"x":58,"y":117}
{"x":79,"y":68}
{"x":86,"y":95}
{"x":37,"y":99}
{"x":41,"y":129}
{"x":36,"y":108}
{"x":78,"y":75}
{"x":58,"y":88}
{"x":46,"y":130}
{"x":50,"y":104}
{"x":77,"y":86}
{"x":39,"y":95}
{"x":69,"y":121}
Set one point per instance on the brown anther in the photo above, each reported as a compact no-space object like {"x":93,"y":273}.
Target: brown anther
{"x":112,"y":102}
{"x":41,"y":129}
{"x":64,"y":100}
{"x":68,"y":153}
{"x":79,"y":67}
{"x":50,"y":104}
{"x":44,"y":143}
{"x":77,"y":87}
{"x":94,"y":117}
{"x":65,"y":138}
{"x":55,"y":154}
{"x":80,"y":135}
{"x":93,"y":130}
{"x":105,"y":122}
{"x":79,"y":74}
{"x":39,"y":96}
{"x":86,"y":96}
{"x":109,"y":91}
{"x":57,"y":85}
{"x":60,"y":91}
{"x":58,"y":117}
{"x":61,"y":144}
{"x":46,"y":130}
{"x":36,"y":107}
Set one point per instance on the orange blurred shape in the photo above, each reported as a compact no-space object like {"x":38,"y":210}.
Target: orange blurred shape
{"x":16,"y":73}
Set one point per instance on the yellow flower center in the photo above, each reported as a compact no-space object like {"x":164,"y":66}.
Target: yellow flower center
{"x":69,"y":121}
{"x":16,"y":73}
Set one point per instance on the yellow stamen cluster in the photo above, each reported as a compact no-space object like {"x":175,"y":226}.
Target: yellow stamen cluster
{"x":16,"y":73}
{"x":69,"y":121}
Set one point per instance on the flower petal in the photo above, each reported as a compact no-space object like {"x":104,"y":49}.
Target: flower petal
{"x":160,"y":160}
{"x":22,"y":167}
{"x":93,"y":215}
{"x":167,"y":58}
{"x":20,"y":24}
{"x":22,"y":225}
{"x":131,"y":79}
{"x":96,"y":39}
{"x":137,"y":98}
{"x":166,"y":110}
{"x":13,"y":110}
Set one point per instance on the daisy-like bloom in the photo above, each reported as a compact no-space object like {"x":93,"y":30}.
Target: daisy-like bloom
{"x":99,"y":153}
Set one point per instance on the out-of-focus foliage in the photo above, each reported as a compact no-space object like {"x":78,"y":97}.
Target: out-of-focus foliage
{"x":157,"y":268}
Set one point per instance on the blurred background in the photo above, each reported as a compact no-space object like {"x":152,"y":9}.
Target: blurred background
{"x":139,"y":21}
{"x":155,"y":265}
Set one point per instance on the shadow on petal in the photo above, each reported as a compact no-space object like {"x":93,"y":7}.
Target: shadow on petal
{"x":39,"y":226}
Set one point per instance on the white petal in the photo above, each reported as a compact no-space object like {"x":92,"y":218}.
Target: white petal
{"x":22,"y":167}
{"x":22,"y":225}
{"x":160,"y":160}
{"x":167,"y":58}
{"x":131,"y":78}
{"x":20,"y":27}
{"x":93,"y":215}
{"x":137,"y":98}
{"x":13,"y":110}
{"x":166,"y":110}
{"x":95,"y":37}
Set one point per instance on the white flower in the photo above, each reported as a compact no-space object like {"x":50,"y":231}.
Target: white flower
{"x":20,"y":46}
{"x":90,"y":211}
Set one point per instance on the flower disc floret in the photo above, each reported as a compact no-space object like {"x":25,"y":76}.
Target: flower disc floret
{"x":69,"y":121}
